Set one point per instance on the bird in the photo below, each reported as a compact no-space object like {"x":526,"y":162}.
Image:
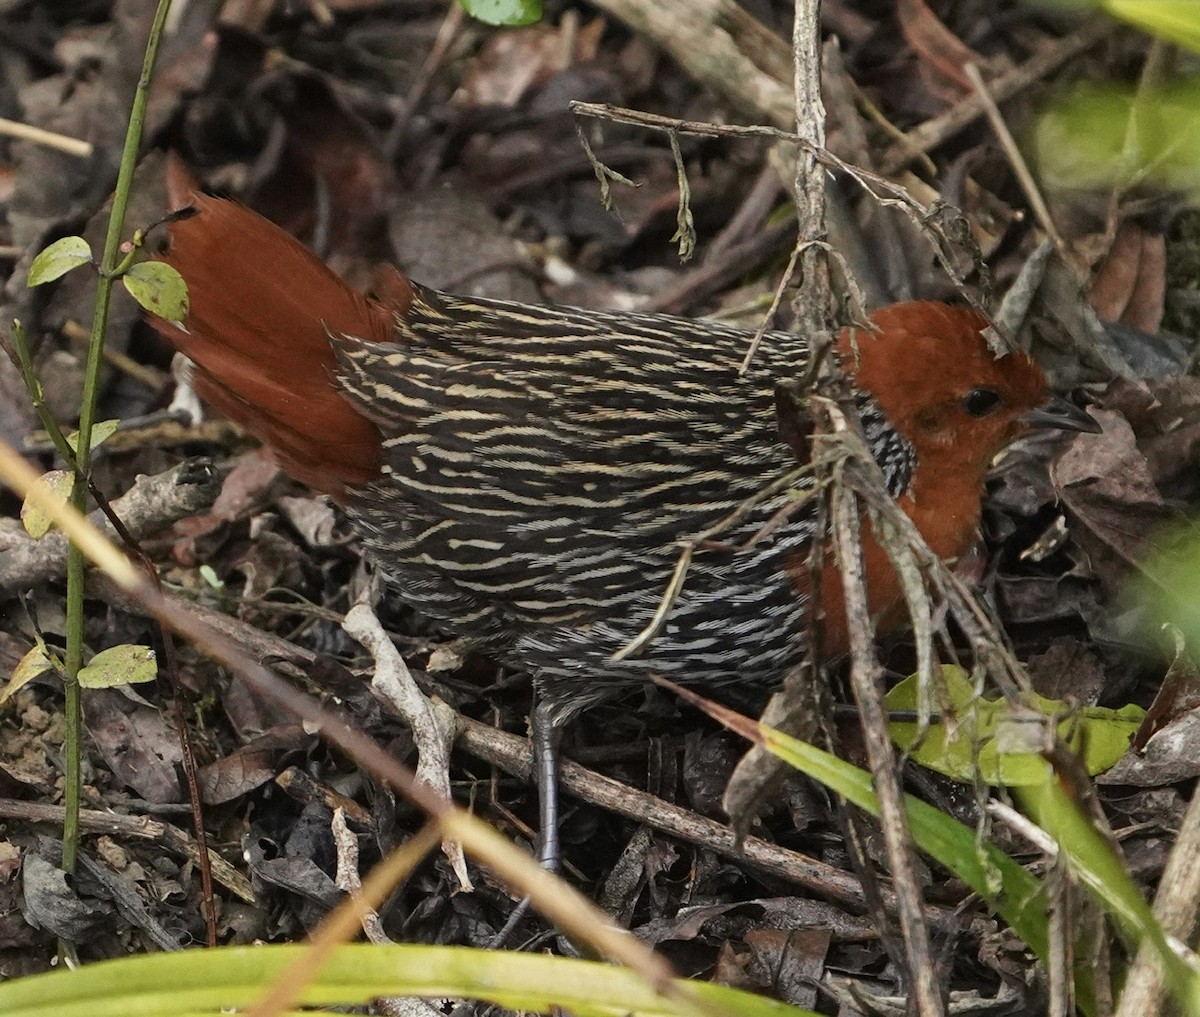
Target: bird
{"x":523,"y":475}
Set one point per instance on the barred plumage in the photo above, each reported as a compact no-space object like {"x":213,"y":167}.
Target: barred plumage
{"x":540,"y":466}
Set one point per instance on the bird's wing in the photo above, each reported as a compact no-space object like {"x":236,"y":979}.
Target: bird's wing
{"x":561,"y":451}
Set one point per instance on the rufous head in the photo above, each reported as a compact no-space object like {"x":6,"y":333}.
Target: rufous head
{"x":941,"y":386}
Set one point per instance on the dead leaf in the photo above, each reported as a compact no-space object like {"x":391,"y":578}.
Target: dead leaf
{"x":515,"y":61}
{"x":1131,"y":284}
{"x":1106,"y":483}
{"x":939,"y":49}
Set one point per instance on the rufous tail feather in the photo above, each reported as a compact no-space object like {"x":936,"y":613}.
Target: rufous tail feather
{"x":262,"y":307}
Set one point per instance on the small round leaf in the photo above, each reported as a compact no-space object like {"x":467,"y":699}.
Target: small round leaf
{"x":102,"y":430}
{"x":504,"y":12}
{"x":34,"y":663}
{"x":209,"y":575}
{"x":58,"y":259}
{"x":37,"y":524}
{"x":126,"y":664}
{"x":158,"y":288}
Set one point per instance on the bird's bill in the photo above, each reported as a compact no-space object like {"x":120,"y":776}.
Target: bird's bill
{"x":1063,"y":415}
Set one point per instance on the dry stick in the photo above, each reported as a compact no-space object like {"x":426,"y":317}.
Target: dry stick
{"x":305,"y":789}
{"x":142,"y":827}
{"x":433,"y":724}
{"x":51,"y":139}
{"x":813,"y":300}
{"x":1175,"y":906}
{"x":866,"y":674}
{"x":446,"y":34}
{"x":655,"y":121}
{"x":152,"y":504}
{"x":1016,"y":162}
{"x":347,"y":878}
{"x":557,"y":901}
{"x":511,"y":754}
{"x":884,"y":191}
{"x":723,"y":47}
{"x":866,"y":679}
{"x":935,"y":132}
{"x":1061,"y":935}
{"x":719,"y":45}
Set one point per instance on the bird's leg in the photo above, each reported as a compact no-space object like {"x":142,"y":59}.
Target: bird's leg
{"x":546,"y":735}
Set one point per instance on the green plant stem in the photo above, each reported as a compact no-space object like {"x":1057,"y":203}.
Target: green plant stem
{"x":73,"y":707}
{"x":38,"y":396}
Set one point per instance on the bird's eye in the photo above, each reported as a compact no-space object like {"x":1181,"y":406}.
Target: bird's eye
{"x":979,"y":402}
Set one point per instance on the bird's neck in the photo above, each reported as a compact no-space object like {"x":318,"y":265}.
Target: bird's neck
{"x":943,"y":501}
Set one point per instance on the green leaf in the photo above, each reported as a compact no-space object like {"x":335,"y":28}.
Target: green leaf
{"x":504,"y":12}
{"x":1176,"y":20}
{"x":1000,"y":881}
{"x":33,"y":664}
{"x":209,"y":575}
{"x":980,"y":738}
{"x":58,"y":259}
{"x":1100,"y":136}
{"x":58,"y":482}
{"x":218,"y":981}
{"x":127,"y":664}
{"x":158,"y":288}
{"x":1106,"y":877}
{"x":101,"y":431}
{"x":1168,"y":582}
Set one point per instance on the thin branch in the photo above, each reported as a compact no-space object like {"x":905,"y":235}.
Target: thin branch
{"x":50,"y":139}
